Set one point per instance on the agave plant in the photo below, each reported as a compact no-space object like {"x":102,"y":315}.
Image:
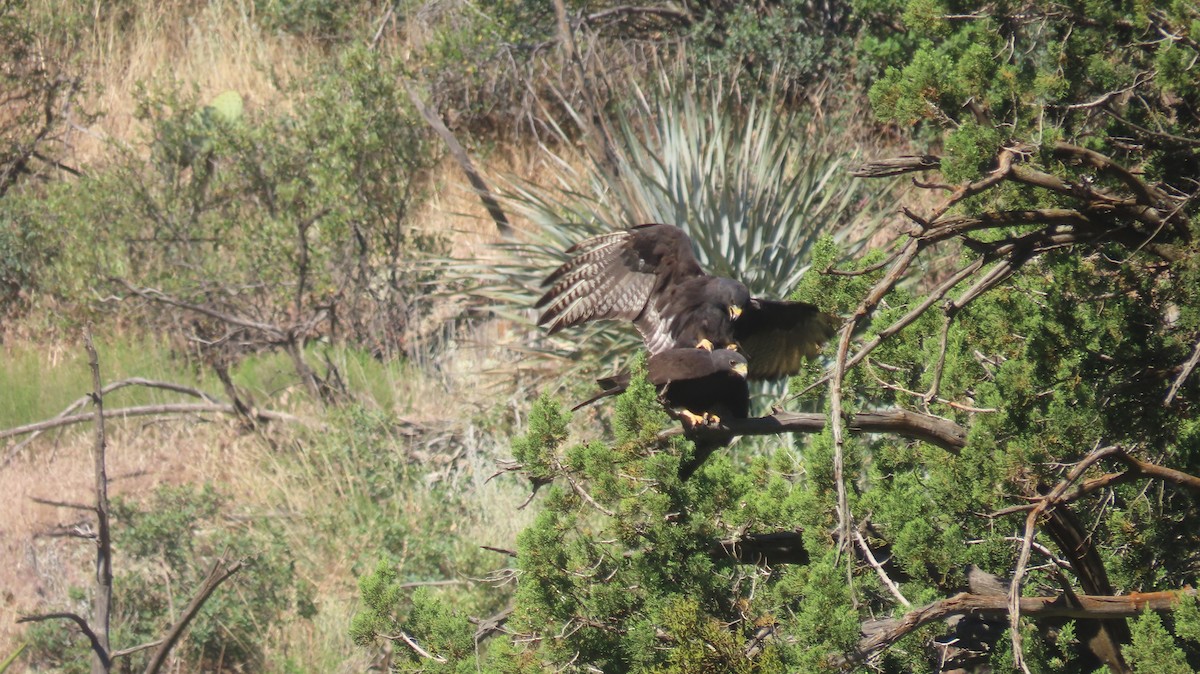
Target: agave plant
{"x":753,"y":185}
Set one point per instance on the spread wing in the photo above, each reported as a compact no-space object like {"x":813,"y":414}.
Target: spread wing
{"x":616,"y":275}
{"x":777,"y":336}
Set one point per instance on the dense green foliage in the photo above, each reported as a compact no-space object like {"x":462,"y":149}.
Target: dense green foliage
{"x":1117,"y":77}
{"x":1065,"y":136}
{"x":1076,"y":343}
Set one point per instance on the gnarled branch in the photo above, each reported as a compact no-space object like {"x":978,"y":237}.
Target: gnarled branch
{"x":883,"y":168}
{"x":905,"y":423}
{"x":881,"y":634}
{"x":97,"y":648}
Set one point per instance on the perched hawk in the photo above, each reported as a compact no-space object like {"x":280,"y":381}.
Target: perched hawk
{"x":649,"y":275}
{"x":705,"y":386}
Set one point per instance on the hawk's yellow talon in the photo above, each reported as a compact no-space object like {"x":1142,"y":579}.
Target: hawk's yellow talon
{"x":692,"y":418}
{"x":711,"y":419}
{"x":705,"y":344}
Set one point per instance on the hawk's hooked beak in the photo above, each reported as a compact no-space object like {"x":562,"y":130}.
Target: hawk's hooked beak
{"x":741,"y":368}
{"x":734,"y":312}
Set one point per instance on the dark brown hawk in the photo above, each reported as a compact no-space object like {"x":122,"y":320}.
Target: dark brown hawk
{"x":704,"y":386}
{"x":649,"y":275}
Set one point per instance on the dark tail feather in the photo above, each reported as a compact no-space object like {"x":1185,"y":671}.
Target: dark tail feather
{"x":614,"y":385}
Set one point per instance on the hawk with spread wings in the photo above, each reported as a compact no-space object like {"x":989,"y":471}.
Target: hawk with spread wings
{"x":649,"y":275}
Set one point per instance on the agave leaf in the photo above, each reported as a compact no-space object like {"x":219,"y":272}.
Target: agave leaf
{"x":754,"y":186}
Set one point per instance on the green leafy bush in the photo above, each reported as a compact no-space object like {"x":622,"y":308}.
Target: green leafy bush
{"x":162,"y":550}
{"x":284,"y":216}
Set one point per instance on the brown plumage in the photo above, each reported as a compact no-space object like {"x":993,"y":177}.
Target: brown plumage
{"x":649,"y":275}
{"x":701,"y":382}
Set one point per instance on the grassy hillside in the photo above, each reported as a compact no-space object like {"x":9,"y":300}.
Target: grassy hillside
{"x":306,"y":237}
{"x":320,"y":205}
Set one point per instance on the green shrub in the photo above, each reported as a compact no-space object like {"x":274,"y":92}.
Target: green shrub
{"x":162,"y":550}
{"x":284,"y":216}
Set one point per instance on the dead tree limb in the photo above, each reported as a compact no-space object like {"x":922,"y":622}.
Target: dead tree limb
{"x":883,"y":576}
{"x":135,"y":649}
{"x":98,"y":649}
{"x":883,"y":633}
{"x":1137,"y":468}
{"x":905,"y":423}
{"x":146,"y":410}
{"x":884,"y":168}
{"x":101,"y":663}
{"x":221,"y":570}
{"x":290,"y":336}
{"x":416,"y":647}
{"x":108,"y":388}
{"x":1102,"y":637}
{"x":1184,"y":373}
{"x":276,"y":334}
{"x":1047,"y":502}
{"x":460,"y":156}
{"x":840,"y":365}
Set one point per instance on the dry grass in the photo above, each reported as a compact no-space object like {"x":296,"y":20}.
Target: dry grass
{"x":215,"y":46}
{"x":141,"y":456}
{"x":274,"y":475}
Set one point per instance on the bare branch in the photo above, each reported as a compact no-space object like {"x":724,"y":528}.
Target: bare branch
{"x":895,"y":166}
{"x":956,"y":225}
{"x":104,"y":575}
{"x":63,"y":504}
{"x":1086,"y":607}
{"x":135,"y":649}
{"x":666,"y":12}
{"x":485,"y":627}
{"x":1139,"y":467}
{"x":274,"y":332}
{"x":97,"y":648}
{"x":459,"y":153}
{"x":146,"y":410}
{"x":109,"y":388}
{"x":1146,"y":195}
{"x":221,"y":570}
{"x":1047,"y":502}
{"x":1098,"y":202}
{"x":1184,"y":373}
{"x":1004,"y":168}
{"x":586,"y":496}
{"x":936,"y":295}
{"x":905,"y":423}
{"x":887,"y":581}
{"x":412,"y":643}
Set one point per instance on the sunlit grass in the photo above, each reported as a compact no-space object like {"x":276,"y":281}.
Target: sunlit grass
{"x":39,"y":383}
